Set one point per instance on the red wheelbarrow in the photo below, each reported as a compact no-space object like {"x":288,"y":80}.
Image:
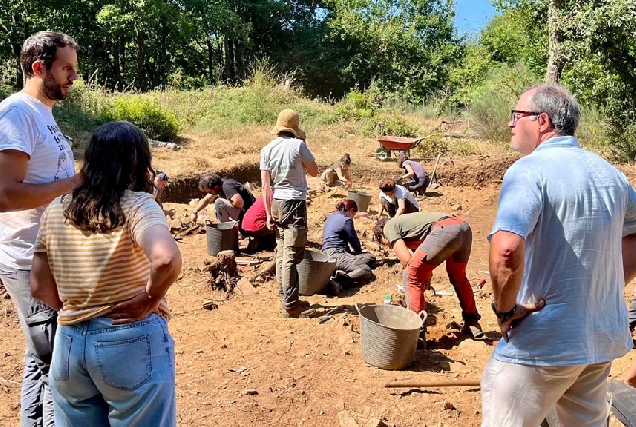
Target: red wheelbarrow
{"x":395,"y":143}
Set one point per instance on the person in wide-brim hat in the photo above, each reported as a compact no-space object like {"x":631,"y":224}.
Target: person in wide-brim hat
{"x":289,"y":121}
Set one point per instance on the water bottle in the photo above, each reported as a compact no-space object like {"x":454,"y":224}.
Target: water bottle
{"x":387,"y":300}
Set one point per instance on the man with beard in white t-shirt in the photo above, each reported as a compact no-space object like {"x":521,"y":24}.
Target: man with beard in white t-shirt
{"x":37,"y":166}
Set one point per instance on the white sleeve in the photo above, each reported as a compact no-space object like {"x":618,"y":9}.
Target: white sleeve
{"x":18,"y":130}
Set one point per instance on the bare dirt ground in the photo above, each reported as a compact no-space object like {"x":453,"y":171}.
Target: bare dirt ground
{"x":243,"y":365}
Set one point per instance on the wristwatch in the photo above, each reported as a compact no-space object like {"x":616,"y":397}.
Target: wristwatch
{"x":503,"y":316}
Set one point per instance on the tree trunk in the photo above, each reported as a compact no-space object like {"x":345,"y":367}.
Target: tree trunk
{"x":141,"y":59}
{"x":119,"y":84}
{"x":556,"y":59}
{"x":210,"y":48}
{"x":230,"y":74}
{"x":16,"y":47}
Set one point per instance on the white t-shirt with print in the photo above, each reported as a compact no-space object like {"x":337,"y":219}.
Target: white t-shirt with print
{"x":400,"y":193}
{"x":28,"y":125}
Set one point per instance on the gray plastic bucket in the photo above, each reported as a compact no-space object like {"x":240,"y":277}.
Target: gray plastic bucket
{"x":361,"y":198}
{"x":221,"y":237}
{"x":314,"y":272}
{"x":389,"y":335}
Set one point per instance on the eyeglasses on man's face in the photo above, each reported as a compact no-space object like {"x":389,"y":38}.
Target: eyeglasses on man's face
{"x":515,"y":115}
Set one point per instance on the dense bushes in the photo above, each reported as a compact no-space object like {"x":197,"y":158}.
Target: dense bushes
{"x":156,"y":122}
{"x":88,"y":107}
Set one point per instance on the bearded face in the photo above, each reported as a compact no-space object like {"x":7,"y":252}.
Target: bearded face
{"x":53,"y":90}
{"x":59,"y":77}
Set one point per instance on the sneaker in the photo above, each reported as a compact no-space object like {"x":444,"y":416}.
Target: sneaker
{"x":334,"y":287}
{"x":292,"y":313}
{"x":295,"y":312}
{"x":303,"y":304}
{"x":472,"y":330}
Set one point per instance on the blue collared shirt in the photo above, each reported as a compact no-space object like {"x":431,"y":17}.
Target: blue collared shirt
{"x":572,"y":208}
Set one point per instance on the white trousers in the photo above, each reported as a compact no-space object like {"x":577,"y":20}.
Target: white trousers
{"x":514,"y":395}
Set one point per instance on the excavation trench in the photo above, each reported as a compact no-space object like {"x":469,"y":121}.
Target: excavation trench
{"x":469,"y":171}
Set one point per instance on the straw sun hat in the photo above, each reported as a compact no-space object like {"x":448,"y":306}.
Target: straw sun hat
{"x":288,"y":121}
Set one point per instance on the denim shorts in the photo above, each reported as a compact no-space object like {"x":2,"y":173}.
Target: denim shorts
{"x":114,"y":375}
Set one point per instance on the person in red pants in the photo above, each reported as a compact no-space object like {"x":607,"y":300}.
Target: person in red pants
{"x":424,"y":240}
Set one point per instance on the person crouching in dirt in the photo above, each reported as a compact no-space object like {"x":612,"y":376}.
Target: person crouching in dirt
{"x":254,"y":226}
{"x":338,"y":234}
{"x":231,"y":199}
{"x":396,"y":199}
{"x":160,"y":183}
{"x":338,"y":173}
{"x":434,"y":237}
{"x":417,"y":179}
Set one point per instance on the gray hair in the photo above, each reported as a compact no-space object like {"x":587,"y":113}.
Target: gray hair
{"x":559,"y":104}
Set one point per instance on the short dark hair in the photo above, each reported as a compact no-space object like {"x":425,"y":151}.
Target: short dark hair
{"x":387,"y":185}
{"x":208,"y":182}
{"x":378,"y":230}
{"x":42,"y":46}
{"x":346,"y":159}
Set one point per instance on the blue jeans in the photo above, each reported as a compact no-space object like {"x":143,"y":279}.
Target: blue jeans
{"x":38,"y":322}
{"x":118,"y":376}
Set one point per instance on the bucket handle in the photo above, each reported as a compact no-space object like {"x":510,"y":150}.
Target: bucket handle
{"x":423,"y":316}
{"x":358,"y":309}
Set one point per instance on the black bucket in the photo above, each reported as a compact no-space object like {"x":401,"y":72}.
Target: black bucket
{"x":361,"y":198}
{"x":314,"y":272}
{"x":221,"y":237}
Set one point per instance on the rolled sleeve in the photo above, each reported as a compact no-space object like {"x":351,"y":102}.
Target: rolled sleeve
{"x":520,"y":202}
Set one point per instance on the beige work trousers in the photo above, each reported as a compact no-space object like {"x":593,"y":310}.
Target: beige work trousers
{"x":514,"y":395}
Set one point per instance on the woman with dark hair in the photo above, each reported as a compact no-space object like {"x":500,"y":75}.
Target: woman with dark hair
{"x":417,"y":179}
{"x":340,"y":242}
{"x":338,"y":173}
{"x":104,"y":259}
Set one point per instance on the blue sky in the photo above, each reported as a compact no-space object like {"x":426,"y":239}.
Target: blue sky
{"x":472,"y":15}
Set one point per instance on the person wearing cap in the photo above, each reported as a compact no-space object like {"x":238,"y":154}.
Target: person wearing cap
{"x":414,"y":173}
{"x":340,"y":242}
{"x":159,"y":184}
{"x":338,"y":173}
{"x":435,"y":237}
{"x":396,"y":199}
{"x":231,"y":199}
{"x":284,"y":163}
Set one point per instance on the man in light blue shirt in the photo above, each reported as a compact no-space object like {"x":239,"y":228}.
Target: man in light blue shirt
{"x":284,"y":162}
{"x":557,"y":271}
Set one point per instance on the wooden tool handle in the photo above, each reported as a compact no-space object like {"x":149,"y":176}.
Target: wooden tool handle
{"x":425,"y":384}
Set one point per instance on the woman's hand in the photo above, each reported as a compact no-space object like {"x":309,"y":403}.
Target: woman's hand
{"x":133,"y":309}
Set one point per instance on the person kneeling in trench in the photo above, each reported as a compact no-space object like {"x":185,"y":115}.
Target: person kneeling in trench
{"x":231,"y":199}
{"x":338,"y":173}
{"x":353,"y":266}
{"x":434,"y":237}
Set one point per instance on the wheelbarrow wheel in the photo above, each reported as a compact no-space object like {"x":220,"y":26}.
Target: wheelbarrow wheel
{"x":382,"y":155}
